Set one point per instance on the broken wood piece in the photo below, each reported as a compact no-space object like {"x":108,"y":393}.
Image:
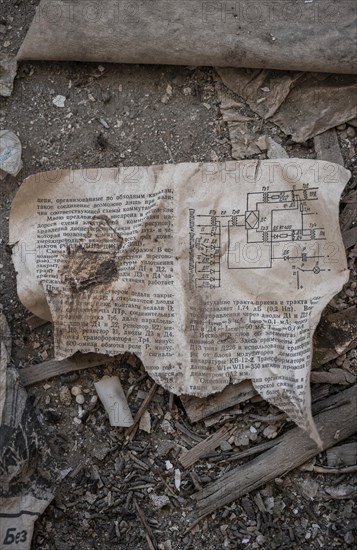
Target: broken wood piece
{"x":343,"y":455}
{"x":189,"y":458}
{"x":327,"y":147}
{"x":111,"y":394}
{"x":198,"y":408}
{"x":149,"y":535}
{"x":35,"y":322}
{"x":335,"y":423}
{"x":333,"y":376}
{"x":52,"y":368}
{"x":133,"y":429}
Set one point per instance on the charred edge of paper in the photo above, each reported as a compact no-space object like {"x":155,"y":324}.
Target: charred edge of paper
{"x":92,"y":262}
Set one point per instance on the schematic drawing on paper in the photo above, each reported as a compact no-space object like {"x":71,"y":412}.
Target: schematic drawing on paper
{"x":275,"y":226}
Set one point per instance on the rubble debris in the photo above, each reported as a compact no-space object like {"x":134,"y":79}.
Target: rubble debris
{"x":143,"y":33}
{"x":303,"y":105}
{"x":10,"y":154}
{"x":337,"y":415}
{"x":111,"y":394}
{"x":8,"y":69}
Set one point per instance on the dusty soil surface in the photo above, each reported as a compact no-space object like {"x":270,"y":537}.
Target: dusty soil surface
{"x":140,"y":115}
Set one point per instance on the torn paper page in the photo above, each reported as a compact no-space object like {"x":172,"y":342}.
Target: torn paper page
{"x":303,"y":105}
{"x":294,"y":35}
{"x":210,"y":273}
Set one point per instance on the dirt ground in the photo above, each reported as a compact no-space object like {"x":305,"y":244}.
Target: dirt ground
{"x":117,"y":115}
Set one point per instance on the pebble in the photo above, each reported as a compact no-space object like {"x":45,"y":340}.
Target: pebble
{"x":343,"y":134}
{"x":80,"y":399}
{"x":351,"y":132}
{"x":341,"y":127}
{"x":104,"y":123}
{"x":225,"y":446}
{"x":241,"y":441}
{"x":187,"y":91}
{"x":270,"y":432}
{"x":76,"y":390}
{"x":354,"y":285}
{"x":59,"y":101}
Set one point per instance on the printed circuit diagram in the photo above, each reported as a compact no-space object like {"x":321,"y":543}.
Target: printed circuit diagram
{"x":275,"y":226}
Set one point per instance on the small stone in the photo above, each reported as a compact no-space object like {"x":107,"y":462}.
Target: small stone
{"x":241,"y":440}
{"x":46,"y":387}
{"x":207,"y":105}
{"x":253,"y":430}
{"x":187,"y":91}
{"x":270,"y":432}
{"x":260,"y":539}
{"x":44,"y":355}
{"x":100,"y":452}
{"x":168,"y":465}
{"x":159,"y":501}
{"x":65,"y":396}
{"x":351,"y":132}
{"x":354,"y":285}
{"x":80,"y":399}
{"x":76,"y":390}
{"x":225,"y":446}
{"x":343,"y":134}
{"x":341,"y":127}
{"x":59,"y":101}
{"x":104,"y":123}
{"x":349,"y":538}
{"x":77,"y":420}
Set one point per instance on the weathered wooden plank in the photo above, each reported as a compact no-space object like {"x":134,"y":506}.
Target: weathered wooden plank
{"x":51,"y":368}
